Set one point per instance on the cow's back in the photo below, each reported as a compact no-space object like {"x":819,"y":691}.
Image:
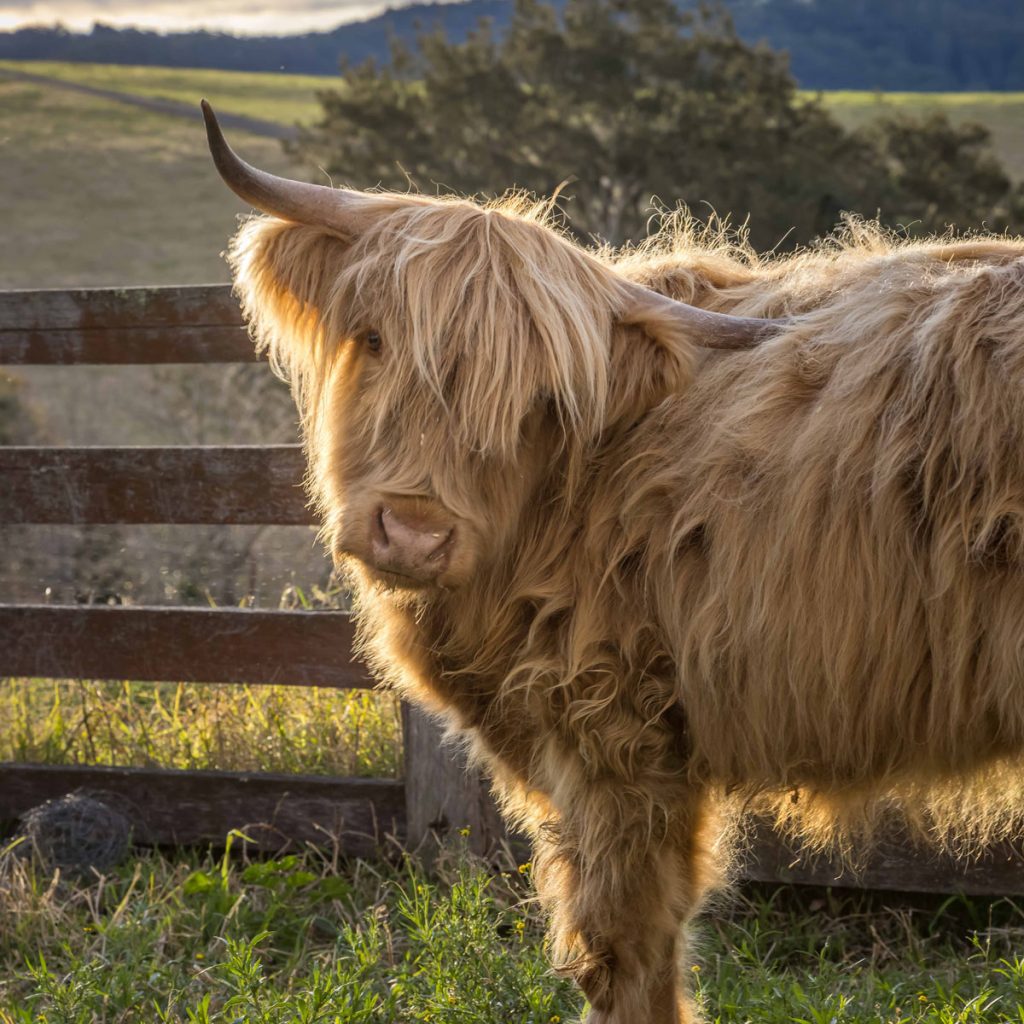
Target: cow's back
{"x":840,"y":545}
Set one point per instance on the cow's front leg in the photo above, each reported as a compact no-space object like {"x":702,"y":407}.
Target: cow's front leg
{"x":621,"y":880}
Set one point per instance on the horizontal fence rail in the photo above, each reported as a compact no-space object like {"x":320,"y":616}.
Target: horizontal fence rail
{"x":238,"y":485}
{"x":201,"y":645}
{"x":185,"y":807}
{"x":51,"y":310}
{"x":128,"y":347}
{"x":895,"y":863}
{"x":200,"y":324}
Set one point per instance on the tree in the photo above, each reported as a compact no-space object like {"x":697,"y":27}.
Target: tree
{"x":631,"y":102}
{"x":940,"y":174}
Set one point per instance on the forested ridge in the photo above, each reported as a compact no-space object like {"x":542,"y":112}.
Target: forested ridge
{"x":858,"y":44}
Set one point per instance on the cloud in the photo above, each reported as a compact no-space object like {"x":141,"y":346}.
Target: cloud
{"x":175,"y":15}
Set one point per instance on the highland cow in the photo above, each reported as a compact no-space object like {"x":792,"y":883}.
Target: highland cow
{"x":666,"y":532}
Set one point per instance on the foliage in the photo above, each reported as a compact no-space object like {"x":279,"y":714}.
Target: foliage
{"x":1000,"y":113}
{"x":632,"y":101}
{"x":301,"y":938}
{"x":940,"y":173}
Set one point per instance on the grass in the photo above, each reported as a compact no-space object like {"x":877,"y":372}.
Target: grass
{"x":202,"y":938}
{"x":224,"y":939}
{"x":226,"y":727}
{"x":231,"y":728}
{"x":208,"y":938}
{"x":819,"y":956}
{"x":272,"y":97}
{"x":109,"y":194}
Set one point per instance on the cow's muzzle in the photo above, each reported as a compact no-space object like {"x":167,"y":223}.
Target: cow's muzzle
{"x":410,"y":545}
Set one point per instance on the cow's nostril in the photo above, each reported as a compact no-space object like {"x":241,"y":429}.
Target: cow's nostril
{"x":409,"y":542}
{"x":378,"y":530}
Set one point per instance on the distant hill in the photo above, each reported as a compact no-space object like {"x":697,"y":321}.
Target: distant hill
{"x":315,"y":53}
{"x":910,"y":45}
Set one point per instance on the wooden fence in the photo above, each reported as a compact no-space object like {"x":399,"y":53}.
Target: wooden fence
{"x":231,"y":485}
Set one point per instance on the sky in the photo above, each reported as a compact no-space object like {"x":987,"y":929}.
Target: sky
{"x":248,"y":17}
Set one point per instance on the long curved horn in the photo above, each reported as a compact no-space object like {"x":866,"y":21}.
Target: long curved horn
{"x":699,"y":326}
{"x":291,"y":200}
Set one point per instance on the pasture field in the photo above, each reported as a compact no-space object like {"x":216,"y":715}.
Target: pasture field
{"x":290,"y":98}
{"x":101,"y":193}
{"x":106,"y":193}
{"x":283,"y":98}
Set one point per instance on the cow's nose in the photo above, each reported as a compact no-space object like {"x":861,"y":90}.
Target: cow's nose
{"x":411,"y":534}
{"x":410,"y":545}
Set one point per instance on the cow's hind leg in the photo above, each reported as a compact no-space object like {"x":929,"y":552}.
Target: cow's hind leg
{"x":622,"y":886}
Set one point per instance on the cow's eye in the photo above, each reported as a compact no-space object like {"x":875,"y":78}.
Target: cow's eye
{"x":373,"y":341}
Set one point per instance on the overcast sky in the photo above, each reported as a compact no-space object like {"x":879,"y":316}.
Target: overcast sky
{"x":241,"y":16}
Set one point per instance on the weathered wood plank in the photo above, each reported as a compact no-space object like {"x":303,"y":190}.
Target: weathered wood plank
{"x":127,"y":346}
{"x":188,"y":807}
{"x":92,"y":308}
{"x":240,"y":485}
{"x":895,"y":864}
{"x":441,"y":795}
{"x":206,"y":645}
{"x":198,"y":324}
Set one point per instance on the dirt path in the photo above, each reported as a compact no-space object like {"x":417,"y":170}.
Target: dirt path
{"x":239,"y":122}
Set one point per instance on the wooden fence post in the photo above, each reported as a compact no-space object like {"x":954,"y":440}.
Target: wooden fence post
{"x":442,"y":795}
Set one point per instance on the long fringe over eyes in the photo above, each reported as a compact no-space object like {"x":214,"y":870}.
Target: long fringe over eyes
{"x":458,"y":290}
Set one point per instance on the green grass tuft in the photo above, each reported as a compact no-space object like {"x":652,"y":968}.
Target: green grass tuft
{"x":224,"y":938}
{"x":218,"y":940}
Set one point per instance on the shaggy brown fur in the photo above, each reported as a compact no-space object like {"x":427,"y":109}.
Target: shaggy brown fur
{"x":676,"y":574}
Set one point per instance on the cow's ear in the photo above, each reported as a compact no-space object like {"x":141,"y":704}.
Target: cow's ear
{"x":655,"y":342}
{"x":286,"y":276}
{"x":644,"y":369}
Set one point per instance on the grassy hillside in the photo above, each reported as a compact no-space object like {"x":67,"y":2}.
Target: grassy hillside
{"x":284,"y":98}
{"x":865,"y":44}
{"x":112,"y":194}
